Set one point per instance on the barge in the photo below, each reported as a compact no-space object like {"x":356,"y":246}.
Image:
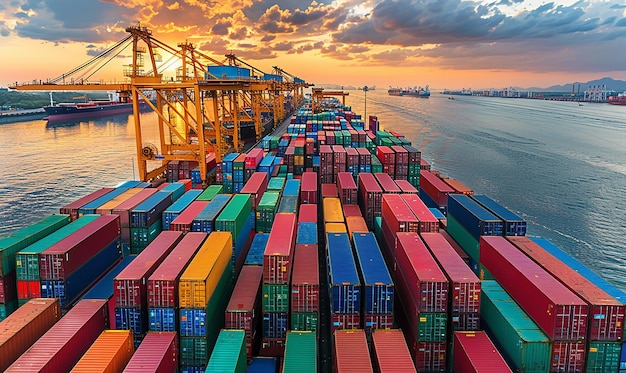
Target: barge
{"x":327,"y":241}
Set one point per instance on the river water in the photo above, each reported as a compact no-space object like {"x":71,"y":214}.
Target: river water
{"x":559,"y":165}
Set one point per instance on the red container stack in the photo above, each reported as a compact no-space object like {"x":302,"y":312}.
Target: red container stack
{"x":308,"y":188}
{"x":386,"y":182}
{"x":340,"y":159}
{"x":327,"y":172}
{"x":396,"y":217}
{"x":406,"y":187}
{"x":427,"y":220}
{"x":255,"y":186}
{"x":305,"y":283}
{"x":402,"y":162}
{"x":435,"y":188}
{"x":390,"y":353}
{"x":123,"y":211}
{"x":351,"y":352}
{"x":307,"y":213}
{"x":370,"y":198}
{"x":346,"y":188}
{"x":157,"y":353}
{"x":474,"y":352}
{"x":244,"y":306}
{"x":184,"y":221}
{"x":387,"y":157}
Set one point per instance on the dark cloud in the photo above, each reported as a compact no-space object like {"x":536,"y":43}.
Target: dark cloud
{"x":239,"y":33}
{"x":221,"y":27}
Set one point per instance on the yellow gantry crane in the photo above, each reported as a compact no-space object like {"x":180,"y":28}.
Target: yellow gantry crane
{"x":199,"y":111}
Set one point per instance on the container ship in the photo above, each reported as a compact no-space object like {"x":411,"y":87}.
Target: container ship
{"x":68,"y":111}
{"x":328,"y":246}
{"x":620,"y":99}
{"x":410,"y":91}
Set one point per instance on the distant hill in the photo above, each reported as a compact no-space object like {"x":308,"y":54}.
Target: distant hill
{"x":611,"y":84}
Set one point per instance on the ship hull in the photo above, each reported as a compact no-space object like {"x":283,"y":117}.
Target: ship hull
{"x":617,"y":100}
{"x":64,"y":113}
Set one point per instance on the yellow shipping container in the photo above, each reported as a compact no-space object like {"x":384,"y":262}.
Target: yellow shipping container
{"x":335,"y":228}
{"x":199,"y":280}
{"x":108,"y":207}
{"x":108,"y":354}
{"x":356,"y":224}
{"x":333,"y":213}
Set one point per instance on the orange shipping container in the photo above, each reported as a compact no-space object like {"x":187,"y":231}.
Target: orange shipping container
{"x":356,"y":224}
{"x":107,"y":208}
{"x":199,"y":280}
{"x":108,"y":354}
{"x":332,"y":210}
{"x":23,"y":327}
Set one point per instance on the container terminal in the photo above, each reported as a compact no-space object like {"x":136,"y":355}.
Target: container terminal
{"x":325,"y":245}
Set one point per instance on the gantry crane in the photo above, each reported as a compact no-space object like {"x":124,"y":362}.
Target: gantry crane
{"x":319,"y":94}
{"x":197,"y":112}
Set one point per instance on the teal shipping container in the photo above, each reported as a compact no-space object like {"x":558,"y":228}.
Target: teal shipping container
{"x":300,"y":352}
{"x":519,"y":339}
{"x":603,"y":357}
{"x":229,"y":354}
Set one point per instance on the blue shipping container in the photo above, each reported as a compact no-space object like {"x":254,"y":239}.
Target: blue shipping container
{"x":378,"y":287}
{"x":275,"y":325}
{"x":343,"y":277}
{"x":162,"y":319}
{"x":477,"y":220}
{"x":177,"y":190}
{"x":90,"y":208}
{"x":150,"y":210}
{"x":307,"y":233}
{"x":103,"y":289}
{"x":288,"y":204}
{"x":134,"y":319}
{"x":514,"y":225}
{"x":205,"y":220}
{"x":262,"y":364}
{"x":178,"y":207}
{"x":292,"y":188}
{"x":257,"y":249}
{"x":193,"y":322}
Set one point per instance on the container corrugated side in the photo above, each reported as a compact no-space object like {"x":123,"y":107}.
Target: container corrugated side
{"x":130,"y":285}
{"x":603,"y":357}
{"x":61,"y":347}
{"x":606,"y":317}
{"x":518,"y":337}
{"x":514,"y":225}
{"x":26,"y":236}
{"x":474,"y":217}
{"x":177,"y":207}
{"x":351,"y":353}
{"x":561,"y":314}
{"x":436,"y":188}
{"x":378,"y":287}
{"x":277,"y":259}
{"x":242,"y":311}
{"x":474,"y":352}
{"x":24,"y":326}
{"x":305,"y":291}
{"x":184,"y":221}
{"x":390,"y":353}
{"x":257,"y":249}
{"x":387,"y":184}
{"x":229,"y":354}
{"x":157,"y":353}
{"x":300,"y":352}
{"x":428,"y":222}
{"x":150,"y":210}
{"x":345,"y":293}
{"x":72,"y":207}
{"x":109,"y":353}
{"x":198,"y":281}
{"x":107,"y":208}
{"x":396,"y":217}
{"x":162,"y":284}
{"x":91,"y":207}
{"x":370,"y":197}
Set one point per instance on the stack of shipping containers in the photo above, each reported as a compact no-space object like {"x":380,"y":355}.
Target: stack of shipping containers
{"x":305,"y":279}
{"x":205,"y":220}
{"x":145,"y":219}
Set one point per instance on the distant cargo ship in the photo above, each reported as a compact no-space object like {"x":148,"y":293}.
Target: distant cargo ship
{"x":620,"y":99}
{"x":410,"y":91}
{"x":93,"y":108}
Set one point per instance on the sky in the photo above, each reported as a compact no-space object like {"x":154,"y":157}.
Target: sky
{"x":450,"y":44}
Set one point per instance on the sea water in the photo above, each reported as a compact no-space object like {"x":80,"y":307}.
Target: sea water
{"x":559,"y":165}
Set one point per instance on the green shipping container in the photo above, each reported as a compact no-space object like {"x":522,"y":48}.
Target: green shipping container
{"x":377,"y":166}
{"x":7,"y":308}
{"x":304,"y":321}
{"x":27,"y":236}
{"x":210,"y":192}
{"x":193,"y":351}
{"x":432,"y":327}
{"x":233,"y":217}
{"x":275,"y":298}
{"x":27,"y":259}
{"x":516,"y":335}
{"x":603,"y":357}
{"x":276,"y":184}
{"x":467,"y":242}
{"x":229,"y":354}
{"x":300,"y":353}
{"x":141,"y":237}
{"x":265,"y":212}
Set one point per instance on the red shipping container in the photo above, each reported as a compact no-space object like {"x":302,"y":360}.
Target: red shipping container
{"x":345,"y":321}
{"x":184,"y":221}
{"x":427,"y":220}
{"x":329,"y":190}
{"x":352,"y":156}
{"x":402,"y":155}
{"x":387,"y":183}
{"x":386,"y":155}
{"x":568,"y":356}
{"x":8,"y":287}
{"x":279,"y":249}
{"x":129,"y":286}
{"x":459,"y":187}
{"x":307,"y":213}
{"x":346,"y":188}
{"x":464,"y":288}
{"x":396,"y":217}
{"x":308,"y":188}
{"x":244,"y":305}
{"x":474,"y":352}
{"x":365,"y":157}
{"x":351,"y":352}
{"x":424,"y":165}
{"x":421,"y":273}
{"x":390,"y":353}
{"x":428,"y":356}
{"x":351,"y":210}
{"x":339,"y":154}
{"x":162,"y":285}
{"x":157,"y":353}
{"x":406,"y":187}
{"x":435,"y":187}
{"x":28,"y":289}
{"x":254,"y":158}
{"x":560,"y":313}
{"x":373,"y":321}
{"x":65,"y":343}
{"x":256,"y":186}
{"x":61,"y":259}
{"x":124,"y":208}
{"x":606,"y":314}
{"x":187,"y":183}
{"x":272,"y":347}
{"x":370,"y":197}
{"x":305,"y":288}
{"x":71,"y":209}
{"x":462,"y":254}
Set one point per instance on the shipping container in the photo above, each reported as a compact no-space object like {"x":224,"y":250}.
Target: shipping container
{"x":351,"y":210}
{"x":307,"y":213}
{"x":257,"y":249}
{"x":25,"y":237}
{"x":229,"y":354}
{"x":92,"y":206}
{"x":309,"y":188}
{"x":243,"y":307}
{"x":568,"y":356}
{"x":60,"y":348}
{"x":130,"y":285}
{"x":177,"y":208}
{"x":107,"y":208}
{"x":266,"y":211}
{"x":157,"y":353}
{"x":205,"y":220}
{"x":331,"y":207}
{"x":396,"y":217}
{"x":176,"y":189}
{"x":277,"y":259}
{"x":561,"y":314}
{"x":346,"y":187}
{"x":150,"y":210}
{"x":428,"y":222}
{"x":387,"y":184}
{"x":263,"y":364}
{"x":351,"y":352}
{"x":8,"y":287}
{"x":184,"y":221}
{"x":406,"y":187}
{"x":476,"y":219}
{"x":606,"y":317}
{"x":255,"y":186}
{"x":517,"y":336}
{"x":307,"y":233}
{"x":370,"y":198}
{"x":435,"y":188}
{"x":71,"y":208}
{"x":210,"y":193}
{"x":300,"y":352}
{"x":275,"y":297}
{"x":200,"y":278}
{"x":458,"y":186}
{"x":603,"y":357}
{"x":377,"y":288}
{"x":109,"y":353}
{"x":514,"y":225}
{"x":25,"y":326}
{"x":345,"y":293}
{"x":474,"y":352}
{"x":305,"y":321}
{"x":305,"y":281}
{"x":390,"y":353}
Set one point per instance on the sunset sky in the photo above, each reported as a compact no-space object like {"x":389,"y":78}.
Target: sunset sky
{"x":443,"y":43}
